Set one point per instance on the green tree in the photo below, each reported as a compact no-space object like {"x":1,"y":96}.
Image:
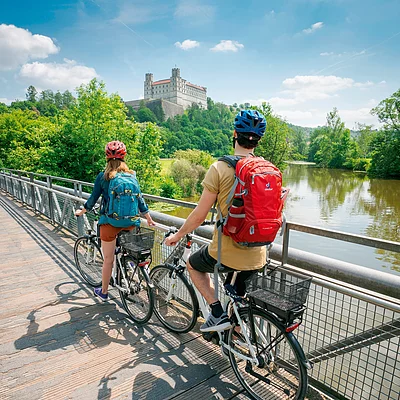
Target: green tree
{"x":95,"y":119}
{"x":196,"y":157}
{"x":187,"y":176}
{"x":25,"y":141}
{"x":332,"y":146}
{"x":298,"y":139}
{"x":31,"y":94}
{"x":388,"y":112}
{"x":146,"y":115}
{"x":386,"y":144}
{"x":3,"y":108}
{"x":365,"y":135}
{"x":274,"y":145}
{"x":144,"y":144}
{"x":67,"y":99}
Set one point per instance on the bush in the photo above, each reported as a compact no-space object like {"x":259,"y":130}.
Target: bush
{"x":170,"y":189}
{"x":361,"y":164}
{"x":196,"y":157}
{"x":187,"y":176}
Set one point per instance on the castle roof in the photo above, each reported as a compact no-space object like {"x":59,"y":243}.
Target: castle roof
{"x":162,"y":81}
{"x":195,"y":86}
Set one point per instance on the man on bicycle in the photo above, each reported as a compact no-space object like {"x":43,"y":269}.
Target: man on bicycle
{"x":249,"y":128}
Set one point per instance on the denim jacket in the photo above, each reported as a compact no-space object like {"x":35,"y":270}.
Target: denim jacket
{"x":101,"y":189}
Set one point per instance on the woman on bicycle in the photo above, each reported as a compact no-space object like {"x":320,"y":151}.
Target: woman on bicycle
{"x":115,"y":154}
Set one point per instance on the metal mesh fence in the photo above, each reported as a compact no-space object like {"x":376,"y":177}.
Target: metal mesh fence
{"x":353,"y":342}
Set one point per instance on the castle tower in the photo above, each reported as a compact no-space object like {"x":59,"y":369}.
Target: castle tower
{"x":176,"y":84}
{"x":148,"y":84}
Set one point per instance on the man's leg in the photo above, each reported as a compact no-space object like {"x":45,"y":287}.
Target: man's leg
{"x":199,"y":265}
{"x":202,"y":282}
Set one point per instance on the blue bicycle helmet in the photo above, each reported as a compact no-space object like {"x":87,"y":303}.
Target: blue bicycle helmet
{"x":250,"y":121}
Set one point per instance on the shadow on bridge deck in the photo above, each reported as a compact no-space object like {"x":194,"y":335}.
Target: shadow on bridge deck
{"x":57,"y":341}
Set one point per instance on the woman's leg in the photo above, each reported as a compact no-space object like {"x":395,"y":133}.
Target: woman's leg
{"x":108,"y":249}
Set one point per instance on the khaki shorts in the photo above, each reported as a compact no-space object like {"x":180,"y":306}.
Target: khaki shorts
{"x":108,"y":233}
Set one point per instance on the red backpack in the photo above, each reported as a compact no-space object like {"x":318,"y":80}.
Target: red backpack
{"x":256,"y":201}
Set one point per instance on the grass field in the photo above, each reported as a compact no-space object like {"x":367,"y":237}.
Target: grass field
{"x":166,"y":165}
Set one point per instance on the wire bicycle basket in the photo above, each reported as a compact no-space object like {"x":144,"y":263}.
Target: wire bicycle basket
{"x":283,"y":293}
{"x":137,"y":240}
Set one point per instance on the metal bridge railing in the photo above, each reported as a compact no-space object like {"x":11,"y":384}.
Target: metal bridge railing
{"x":352,"y":335}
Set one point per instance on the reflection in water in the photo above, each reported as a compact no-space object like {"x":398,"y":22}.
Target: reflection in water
{"x":331,"y":186}
{"x":383,"y":206}
{"x":345,"y":201}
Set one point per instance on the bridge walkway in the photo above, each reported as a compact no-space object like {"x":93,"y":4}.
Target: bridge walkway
{"x":58,"y":342}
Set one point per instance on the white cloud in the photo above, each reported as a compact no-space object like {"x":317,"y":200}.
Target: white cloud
{"x":194,"y":11}
{"x":5,"y":101}
{"x":316,"y":87}
{"x":382,"y":82}
{"x":317,"y":117}
{"x":17,"y":46}
{"x":349,"y":54}
{"x":364,"y":85}
{"x":227,"y":45}
{"x":57,"y":76}
{"x":140,"y":12}
{"x":187,"y":44}
{"x":313,"y":28}
{"x":302,"y":89}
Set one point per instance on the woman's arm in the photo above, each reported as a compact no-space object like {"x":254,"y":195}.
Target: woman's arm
{"x":96,"y":193}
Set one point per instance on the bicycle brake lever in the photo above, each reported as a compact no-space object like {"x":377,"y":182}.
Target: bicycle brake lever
{"x":172,"y":230}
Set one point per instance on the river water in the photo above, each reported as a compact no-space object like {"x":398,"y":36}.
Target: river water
{"x":344,"y":201}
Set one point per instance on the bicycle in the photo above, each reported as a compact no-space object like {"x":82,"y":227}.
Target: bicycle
{"x":265,"y":355}
{"x":130,"y":274}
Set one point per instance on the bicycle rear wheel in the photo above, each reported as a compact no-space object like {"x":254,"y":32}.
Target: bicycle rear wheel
{"x":138,"y":301}
{"x":175,"y":302}
{"x":89,"y":260}
{"x":281,"y":373}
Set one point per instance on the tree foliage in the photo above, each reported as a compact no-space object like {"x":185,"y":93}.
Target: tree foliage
{"x":71,"y":144}
{"x":332,"y":145}
{"x":275,"y":144}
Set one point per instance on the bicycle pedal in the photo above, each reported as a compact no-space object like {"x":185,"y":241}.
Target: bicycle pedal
{"x":211,"y":337}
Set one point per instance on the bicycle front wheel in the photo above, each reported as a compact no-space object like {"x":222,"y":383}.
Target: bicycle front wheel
{"x":137,"y":296}
{"x":281,"y":373}
{"x":89,"y":260}
{"x":175,"y":303}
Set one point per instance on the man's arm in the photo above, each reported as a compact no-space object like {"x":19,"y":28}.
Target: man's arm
{"x":196,"y":217}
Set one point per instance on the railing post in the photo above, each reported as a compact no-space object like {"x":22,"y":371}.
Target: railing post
{"x":20,"y":186}
{"x":12,"y":186}
{"x":285,"y":244}
{"x":32,"y":191}
{"x":79,"y":221}
{"x":49,"y":196}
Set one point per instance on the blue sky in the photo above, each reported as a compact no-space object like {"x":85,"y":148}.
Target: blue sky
{"x":304,"y":56}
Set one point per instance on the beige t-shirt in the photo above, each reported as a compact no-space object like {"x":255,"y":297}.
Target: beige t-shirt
{"x":219,"y":179}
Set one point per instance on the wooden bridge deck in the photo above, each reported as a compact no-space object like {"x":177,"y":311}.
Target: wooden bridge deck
{"x":58,"y":342}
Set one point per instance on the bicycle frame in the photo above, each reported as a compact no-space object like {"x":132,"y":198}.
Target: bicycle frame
{"x":205,"y":311}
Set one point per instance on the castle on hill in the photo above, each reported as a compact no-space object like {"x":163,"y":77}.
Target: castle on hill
{"x":176,"y":90}
{"x":174,"y":94}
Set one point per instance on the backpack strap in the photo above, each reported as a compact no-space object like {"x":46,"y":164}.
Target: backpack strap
{"x":218,"y":266}
{"x":232,"y":161}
